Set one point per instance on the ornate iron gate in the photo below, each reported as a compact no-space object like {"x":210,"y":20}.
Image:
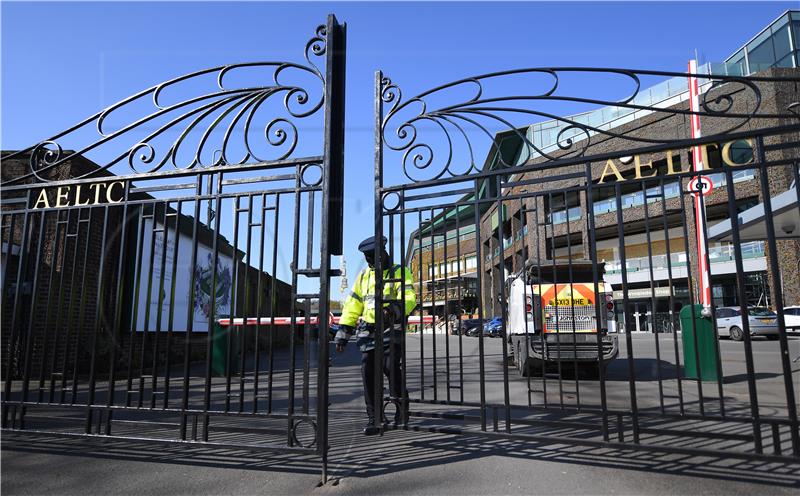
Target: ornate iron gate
{"x":129,"y":280}
{"x":579,"y":231}
{"x":127,"y":297}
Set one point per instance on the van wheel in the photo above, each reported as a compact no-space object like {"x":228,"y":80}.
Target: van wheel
{"x":736,"y":334}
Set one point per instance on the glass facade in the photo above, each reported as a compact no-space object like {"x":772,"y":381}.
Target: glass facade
{"x":453,"y":267}
{"x":452,"y":238}
{"x":773,"y":46}
{"x":717,"y":253}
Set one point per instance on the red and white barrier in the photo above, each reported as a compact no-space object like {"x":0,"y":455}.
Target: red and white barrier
{"x":704,"y":274}
{"x":284,"y":321}
{"x":278,"y":321}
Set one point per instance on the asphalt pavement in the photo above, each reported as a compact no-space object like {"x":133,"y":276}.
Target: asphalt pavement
{"x":419,"y":461}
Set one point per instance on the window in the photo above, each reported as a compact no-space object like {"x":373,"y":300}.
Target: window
{"x":796,"y":30}
{"x":783,"y":49}
{"x":747,"y":203}
{"x":736,"y":66}
{"x":741,"y":152}
{"x":761,"y":53}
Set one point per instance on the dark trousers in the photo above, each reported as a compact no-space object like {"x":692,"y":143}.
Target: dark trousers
{"x":391,"y":369}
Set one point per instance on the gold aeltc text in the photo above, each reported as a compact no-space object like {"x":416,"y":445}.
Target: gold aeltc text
{"x":644,"y":170}
{"x":77,"y":196}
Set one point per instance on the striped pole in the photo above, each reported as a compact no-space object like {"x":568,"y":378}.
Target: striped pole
{"x":697,"y":155}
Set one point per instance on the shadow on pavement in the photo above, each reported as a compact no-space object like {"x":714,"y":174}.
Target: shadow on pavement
{"x":399,"y":451}
{"x":356,"y":456}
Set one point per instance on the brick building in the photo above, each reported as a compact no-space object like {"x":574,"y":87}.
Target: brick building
{"x":656,"y":232}
{"x":657,"y":237}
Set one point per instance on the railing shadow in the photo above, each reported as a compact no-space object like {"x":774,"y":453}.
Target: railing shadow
{"x":356,"y":456}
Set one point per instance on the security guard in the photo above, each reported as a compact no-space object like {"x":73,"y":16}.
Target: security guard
{"x":361,"y":304}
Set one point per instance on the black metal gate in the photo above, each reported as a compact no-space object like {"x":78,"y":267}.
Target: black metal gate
{"x":133,"y":265}
{"x":146,"y":293}
{"x":553,"y":256}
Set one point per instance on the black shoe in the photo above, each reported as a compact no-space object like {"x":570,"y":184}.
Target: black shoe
{"x":371,"y":429}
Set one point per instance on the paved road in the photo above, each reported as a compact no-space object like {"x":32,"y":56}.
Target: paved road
{"x":409,"y":462}
{"x":655,"y":371}
{"x":397,"y":463}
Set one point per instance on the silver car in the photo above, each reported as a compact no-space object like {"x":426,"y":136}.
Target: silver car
{"x":762,"y":322}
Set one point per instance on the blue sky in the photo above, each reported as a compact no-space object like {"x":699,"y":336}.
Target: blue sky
{"x":64,"y":61}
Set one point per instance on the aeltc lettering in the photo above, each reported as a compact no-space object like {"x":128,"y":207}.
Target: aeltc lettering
{"x":94,"y":194}
{"x":611,"y":169}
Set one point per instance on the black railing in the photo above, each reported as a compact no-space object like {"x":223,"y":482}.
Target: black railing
{"x":560,"y":381}
{"x":129,"y":284}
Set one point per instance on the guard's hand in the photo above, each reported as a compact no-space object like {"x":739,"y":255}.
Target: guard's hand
{"x":342,"y":337}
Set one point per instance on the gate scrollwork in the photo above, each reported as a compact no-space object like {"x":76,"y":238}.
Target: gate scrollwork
{"x":737,"y":100}
{"x":216,"y":117}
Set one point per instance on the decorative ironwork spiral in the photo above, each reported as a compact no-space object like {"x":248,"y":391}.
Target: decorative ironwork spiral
{"x":736,"y":100}
{"x":216,"y":117}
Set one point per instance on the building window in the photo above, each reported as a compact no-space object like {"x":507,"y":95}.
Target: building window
{"x":771,"y":48}
{"x":742,"y":205}
{"x":741,"y":152}
{"x":736,"y":66}
{"x":760,"y":53}
{"x":782,"y":46}
{"x":796,"y":31}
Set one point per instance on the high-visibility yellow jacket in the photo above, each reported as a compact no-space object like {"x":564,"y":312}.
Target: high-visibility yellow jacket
{"x":361,"y":302}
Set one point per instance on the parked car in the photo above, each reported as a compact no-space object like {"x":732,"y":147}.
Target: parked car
{"x":473,"y":329}
{"x":493,"y":328}
{"x":762,"y":322}
{"x":791,"y":315}
{"x":464,"y":325}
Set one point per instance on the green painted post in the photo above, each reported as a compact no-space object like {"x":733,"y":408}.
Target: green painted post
{"x":706,"y":344}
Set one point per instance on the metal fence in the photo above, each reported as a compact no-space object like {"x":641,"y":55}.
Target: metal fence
{"x":559,"y":371}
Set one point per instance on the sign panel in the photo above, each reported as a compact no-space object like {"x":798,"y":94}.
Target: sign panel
{"x":201,"y":305}
{"x":638,"y":293}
